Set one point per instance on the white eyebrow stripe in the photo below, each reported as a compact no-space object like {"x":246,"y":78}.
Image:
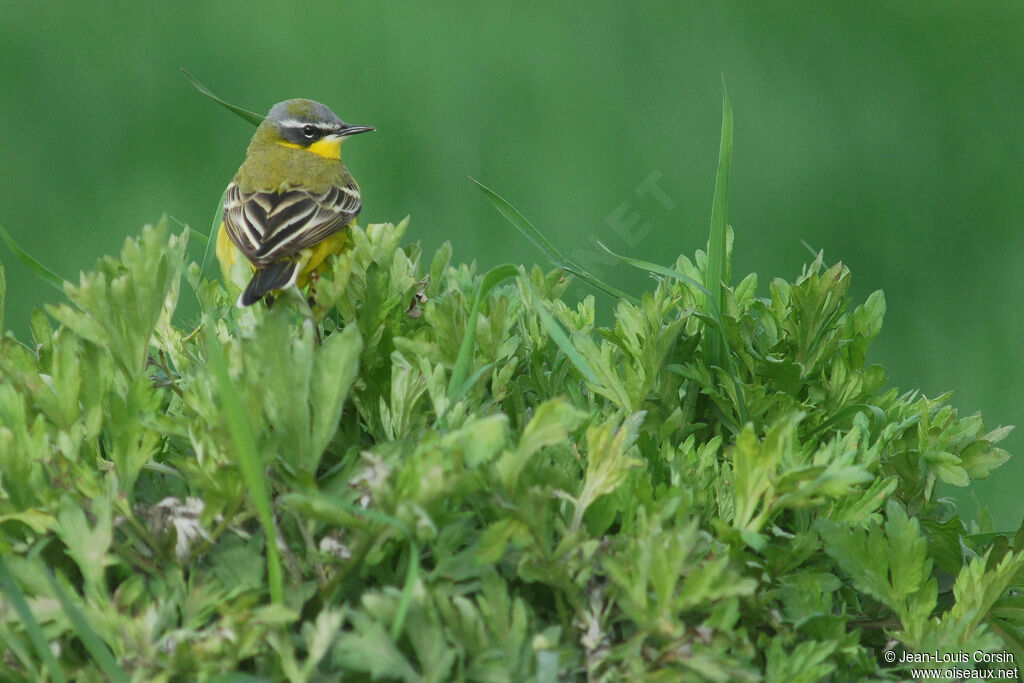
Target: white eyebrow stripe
{"x":299,"y":125}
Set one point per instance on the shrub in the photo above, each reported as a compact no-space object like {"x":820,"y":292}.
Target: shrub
{"x":466,"y":477}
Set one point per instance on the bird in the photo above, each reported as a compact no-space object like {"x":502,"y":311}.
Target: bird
{"x":288,"y":206}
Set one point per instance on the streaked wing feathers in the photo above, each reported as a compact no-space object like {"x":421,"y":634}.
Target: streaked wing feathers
{"x":269,"y":226}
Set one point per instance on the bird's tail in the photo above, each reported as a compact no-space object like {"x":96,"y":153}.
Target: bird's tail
{"x":277,"y":275}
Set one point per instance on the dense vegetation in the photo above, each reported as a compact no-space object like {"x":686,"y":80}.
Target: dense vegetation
{"x":566,"y":499}
{"x":466,"y":477}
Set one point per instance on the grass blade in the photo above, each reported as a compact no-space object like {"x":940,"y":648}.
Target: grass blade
{"x":461,"y":369}
{"x":97,"y":649}
{"x":250,"y":116}
{"x":715,"y":314}
{"x":28,"y":620}
{"x":472,"y":380}
{"x":42,"y":272}
{"x":247,"y":455}
{"x":717,"y":266}
{"x":655,"y":269}
{"x":218,"y":217}
{"x":558,"y":336}
{"x":411,"y":576}
{"x":3,"y":296}
{"x":539,"y":240}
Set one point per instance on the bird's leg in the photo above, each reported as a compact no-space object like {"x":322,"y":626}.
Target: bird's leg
{"x":314,"y":278}
{"x":305,"y":310}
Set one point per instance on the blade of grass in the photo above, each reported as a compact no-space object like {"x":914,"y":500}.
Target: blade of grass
{"x":544,"y":244}
{"x":28,"y":620}
{"x":97,"y":649}
{"x":468,"y":384}
{"x":558,"y":336}
{"x":3,"y":296}
{"x":493,"y":277}
{"x":244,"y":441}
{"x":42,"y":272}
{"x":250,"y":116}
{"x":655,"y":269}
{"x":218,"y":216}
{"x":814,"y":252}
{"x":192,"y":233}
{"x":715,"y":314}
{"x":717,"y":267}
{"x":411,"y":575}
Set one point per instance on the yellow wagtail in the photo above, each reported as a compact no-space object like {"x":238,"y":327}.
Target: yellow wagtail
{"x":287,"y":208}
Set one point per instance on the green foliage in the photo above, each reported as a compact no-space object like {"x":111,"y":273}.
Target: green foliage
{"x":581,"y":501}
{"x":423,"y":473}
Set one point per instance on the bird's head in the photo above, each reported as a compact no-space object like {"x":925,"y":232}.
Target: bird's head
{"x":309,"y":125}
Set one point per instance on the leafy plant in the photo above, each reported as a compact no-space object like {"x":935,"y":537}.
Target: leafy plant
{"x":436,"y":474}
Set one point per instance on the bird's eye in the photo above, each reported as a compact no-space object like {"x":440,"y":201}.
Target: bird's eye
{"x":309,"y":131}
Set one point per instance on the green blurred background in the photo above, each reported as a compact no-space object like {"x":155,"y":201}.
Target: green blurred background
{"x":888,"y":134}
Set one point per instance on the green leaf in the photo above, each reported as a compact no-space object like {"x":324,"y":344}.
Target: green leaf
{"x":718,"y":267}
{"x":97,"y":649}
{"x":28,"y":620}
{"x":460,"y":370}
{"x":38,"y":269}
{"x":544,"y":244}
{"x":806,"y":663}
{"x":558,"y":336}
{"x":211,"y":239}
{"x":495,"y":539}
{"x":369,"y":648}
{"x":479,"y":440}
{"x":252,"y":117}
{"x":246,"y":455}
{"x":891,"y":564}
{"x":335,"y":368}
{"x":741,"y":408}
{"x":117,"y":305}
{"x":609,"y":460}
{"x":87,"y":544}
{"x":551,"y":424}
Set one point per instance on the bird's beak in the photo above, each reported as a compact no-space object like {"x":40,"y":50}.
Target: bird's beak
{"x":353,"y":130}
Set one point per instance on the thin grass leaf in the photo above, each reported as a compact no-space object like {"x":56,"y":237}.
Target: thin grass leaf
{"x":247,"y":455}
{"x":211,"y":239}
{"x":544,"y":244}
{"x":717,"y":255}
{"x":42,"y":272}
{"x":28,"y":620}
{"x":411,"y":576}
{"x":655,"y":269}
{"x":557,"y":335}
{"x":330,"y":509}
{"x":252,"y":117}
{"x":99,"y":651}
{"x":3,"y":296}
{"x":468,"y":384}
{"x":715,"y":314}
{"x":493,"y":277}
{"x":185,"y":226}
{"x":814,"y":252}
